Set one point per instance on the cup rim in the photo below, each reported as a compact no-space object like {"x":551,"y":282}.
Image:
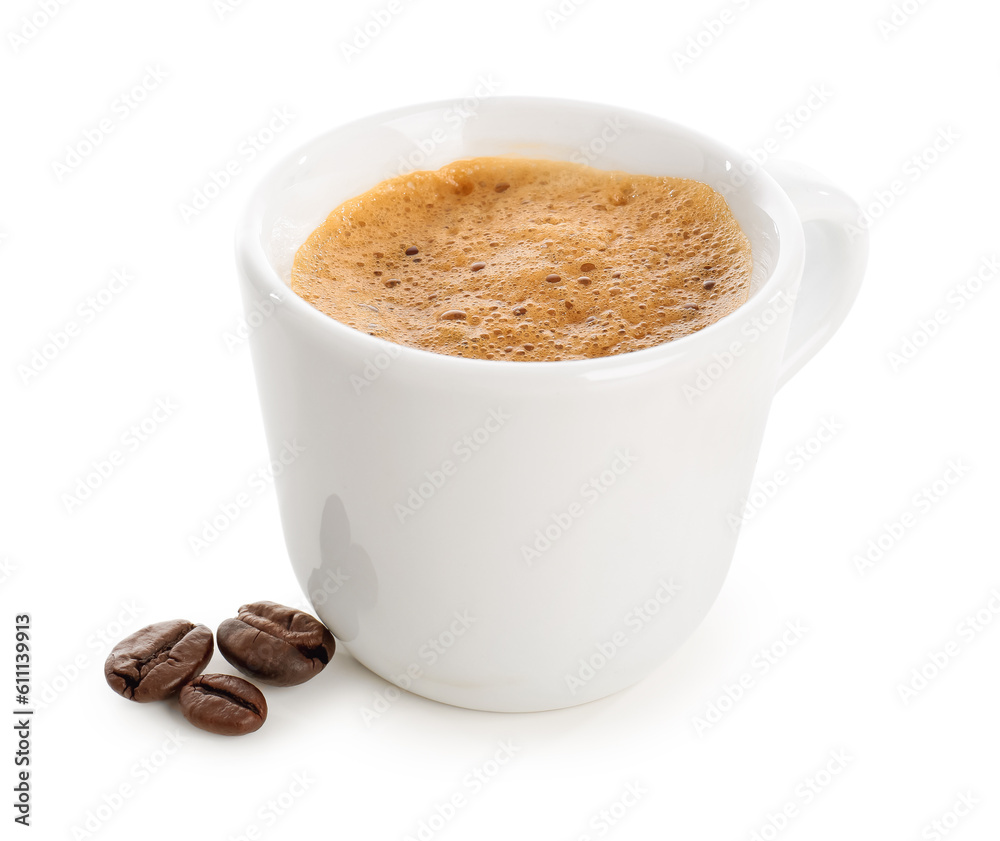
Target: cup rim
{"x":253,"y":261}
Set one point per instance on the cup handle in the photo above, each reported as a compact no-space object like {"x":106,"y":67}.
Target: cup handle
{"x":835,"y":258}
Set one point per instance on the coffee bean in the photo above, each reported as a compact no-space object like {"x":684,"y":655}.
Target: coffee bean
{"x":156,"y":661}
{"x":223,"y":704}
{"x":276,"y":644}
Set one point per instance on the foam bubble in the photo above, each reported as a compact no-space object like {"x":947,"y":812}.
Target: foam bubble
{"x":564,"y":262}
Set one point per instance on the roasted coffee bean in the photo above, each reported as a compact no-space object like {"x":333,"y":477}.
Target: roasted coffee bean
{"x":156,"y":661}
{"x":223,"y":704}
{"x":276,"y":644}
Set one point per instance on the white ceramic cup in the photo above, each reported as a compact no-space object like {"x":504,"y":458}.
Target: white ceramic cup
{"x":519,"y":536}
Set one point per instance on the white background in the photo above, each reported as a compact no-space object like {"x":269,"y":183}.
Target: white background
{"x":122,"y":559}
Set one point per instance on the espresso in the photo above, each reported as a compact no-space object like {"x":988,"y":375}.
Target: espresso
{"x":523,"y":259}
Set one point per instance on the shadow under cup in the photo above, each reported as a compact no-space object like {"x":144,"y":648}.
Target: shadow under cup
{"x":510,"y":536}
